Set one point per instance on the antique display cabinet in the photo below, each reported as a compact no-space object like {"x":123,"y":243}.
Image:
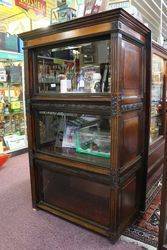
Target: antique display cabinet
{"x":162,"y":244}
{"x":157,"y":121}
{"x":87,"y":91}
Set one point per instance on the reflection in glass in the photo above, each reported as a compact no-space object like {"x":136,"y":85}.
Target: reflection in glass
{"x":156,"y":127}
{"x":83,"y":137}
{"x":82,"y":68}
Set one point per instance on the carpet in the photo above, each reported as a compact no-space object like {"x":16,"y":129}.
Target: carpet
{"x":22,"y":228}
{"x":146,"y":227}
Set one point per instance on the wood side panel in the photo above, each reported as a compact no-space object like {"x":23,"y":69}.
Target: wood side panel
{"x":132,"y":82}
{"x":131,"y":133}
{"x":130,"y":199}
{"x":127,"y":199}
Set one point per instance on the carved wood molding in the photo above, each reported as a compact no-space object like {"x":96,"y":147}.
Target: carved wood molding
{"x":115,"y":109}
{"x":116,"y":25}
{"x":131,"y":107}
{"x":66,"y":107}
{"x":115,"y":178}
{"x":115,"y":105}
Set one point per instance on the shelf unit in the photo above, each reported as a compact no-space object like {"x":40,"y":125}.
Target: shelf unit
{"x":12,"y":104}
{"x":109,"y":114}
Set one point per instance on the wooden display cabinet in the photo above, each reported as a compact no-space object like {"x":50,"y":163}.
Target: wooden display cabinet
{"x":162,"y":244}
{"x":157,"y":121}
{"x":87,"y":91}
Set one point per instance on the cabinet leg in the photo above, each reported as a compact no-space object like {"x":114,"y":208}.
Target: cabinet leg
{"x":34,"y":207}
{"x":113,"y":239}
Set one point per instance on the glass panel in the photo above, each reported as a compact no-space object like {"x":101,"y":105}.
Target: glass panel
{"x":82,"y":68}
{"x":82,"y":137}
{"x":80,"y":196}
{"x":156,"y":127}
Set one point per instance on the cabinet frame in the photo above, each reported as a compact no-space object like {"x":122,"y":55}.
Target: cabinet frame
{"x":129,"y":103}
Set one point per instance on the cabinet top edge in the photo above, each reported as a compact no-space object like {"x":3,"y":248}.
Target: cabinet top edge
{"x":158,"y":49}
{"x":102,"y":17}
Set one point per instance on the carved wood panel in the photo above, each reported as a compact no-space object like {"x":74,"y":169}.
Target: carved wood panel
{"x":131,"y":133}
{"x":127,"y":198}
{"x":132,"y":57}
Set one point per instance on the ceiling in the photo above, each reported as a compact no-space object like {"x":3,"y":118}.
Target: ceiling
{"x":153,"y":16}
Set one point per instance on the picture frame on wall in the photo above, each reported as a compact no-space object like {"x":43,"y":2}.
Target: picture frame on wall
{"x":88,"y":7}
{"x":95,"y":6}
{"x":61,"y":2}
{"x":88,"y":59}
{"x":88,"y":49}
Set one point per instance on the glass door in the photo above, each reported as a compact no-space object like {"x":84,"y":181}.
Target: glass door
{"x":74,"y":68}
{"x":80,"y":136}
{"x":157,"y":114}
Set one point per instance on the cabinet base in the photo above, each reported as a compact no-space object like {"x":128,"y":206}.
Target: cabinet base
{"x":77,"y":220}
{"x":105,"y":231}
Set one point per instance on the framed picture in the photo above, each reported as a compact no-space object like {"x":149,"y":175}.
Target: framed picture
{"x":88,"y":59}
{"x":61,"y":2}
{"x":88,"y":49}
{"x":88,"y":7}
{"x":97,"y":6}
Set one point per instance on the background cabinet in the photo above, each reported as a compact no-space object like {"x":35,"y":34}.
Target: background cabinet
{"x":88,"y":118}
{"x":157,"y":121}
{"x":163,"y":209}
